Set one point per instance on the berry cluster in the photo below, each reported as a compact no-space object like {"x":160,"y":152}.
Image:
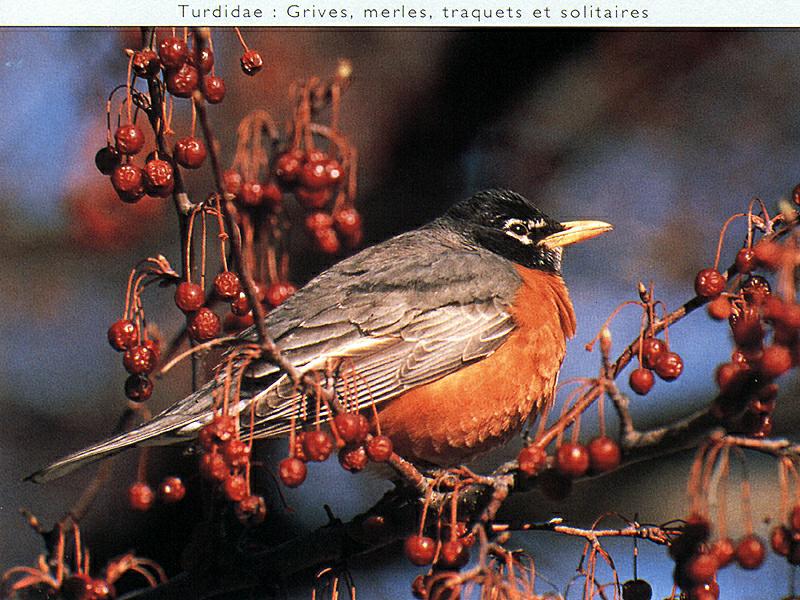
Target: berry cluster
{"x":173,"y":65}
{"x":350,"y":432}
{"x":225,"y":461}
{"x":140,"y":357}
{"x":446,"y":554}
{"x":765,"y":331}
{"x":572,"y":460}
{"x":654,"y":356}
{"x":697,"y":561}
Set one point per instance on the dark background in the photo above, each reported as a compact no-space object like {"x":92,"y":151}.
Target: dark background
{"x":662,"y":133}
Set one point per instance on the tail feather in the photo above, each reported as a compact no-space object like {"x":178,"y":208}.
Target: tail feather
{"x":192,"y":410}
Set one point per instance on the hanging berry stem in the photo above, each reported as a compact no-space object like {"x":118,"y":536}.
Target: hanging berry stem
{"x":722,"y":237}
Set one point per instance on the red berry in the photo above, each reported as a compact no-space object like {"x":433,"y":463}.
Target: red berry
{"x":333,"y":171}
{"x":227,"y":285}
{"x":420,"y":549}
{"x":213,"y":467}
{"x":231,"y":181}
{"x":312,"y":199}
{"x":327,"y":241}
{"x":107,"y":159}
{"x":745,"y":260}
{"x":146,"y":63}
{"x":288,"y":165}
{"x":130,"y":139}
{"x":154,"y":347}
{"x":251,"y":62}
{"x":572,"y":459}
{"x":159,"y":178}
{"x":235,"y":488}
{"x":318,"y":220}
{"x":214,"y":88}
{"x":183,"y":81}
{"x":701,"y":568}
{"x":204,"y":325}
{"x":756,"y":290}
{"x":220,"y":430}
{"x":241,"y":305}
{"x":171,"y":490}
{"x":173,"y":52}
{"x":723,"y":552}
{"x":641,"y":380}
{"x":139,"y":360}
{"x":189,"y":296}
{"x":669,"y":366}
{"x":768,"y":255}
{"x":313,"y":174}
{"x":251,"y":510}
{"x":236,"y":453}
{"x":775,"y":361}
{"x":709,"y":283}
{"x":780,"y":539}
{"x":379,"y":448}
{"x":141,"y":496}
{"x":750,"y":552}
{"x":347,"y":221}
{"x":352,"y":427}
{"x":719,"y":308}
{"x":250,"y":194}
{"x":277,"y":293}
{"x":453,"y":555}
{"x":292,"y":471}
{"x":206,"y":60}
{"x":317,"y":445}
{"x":604,"y":454}
{"x":138,"y":388}
{"x":651,"y":349}
{"x":532,"y":459}
{"x":128,"y":181}
{"x":190,"y":152}
{"x":704,"y":591}
{"x":123,"y":334}
{"x":353,"y":458}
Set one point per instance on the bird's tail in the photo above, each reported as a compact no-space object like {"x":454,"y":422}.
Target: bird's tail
{"x":182,"y":420}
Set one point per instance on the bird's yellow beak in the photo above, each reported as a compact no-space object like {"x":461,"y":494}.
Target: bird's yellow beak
{"x":574,"y":232}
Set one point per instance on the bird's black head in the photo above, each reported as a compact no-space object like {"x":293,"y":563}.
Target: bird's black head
{"x":510,"y":225}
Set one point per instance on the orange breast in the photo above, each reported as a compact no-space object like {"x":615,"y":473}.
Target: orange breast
{"x":483,"y":404}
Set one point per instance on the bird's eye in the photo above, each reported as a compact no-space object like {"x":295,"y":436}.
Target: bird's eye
{"x":518,"y":229}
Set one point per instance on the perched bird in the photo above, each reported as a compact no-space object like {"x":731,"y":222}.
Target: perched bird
{"x":457,"y":331}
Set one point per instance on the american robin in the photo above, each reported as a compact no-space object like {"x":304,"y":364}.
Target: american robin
{"x":457,"y":331}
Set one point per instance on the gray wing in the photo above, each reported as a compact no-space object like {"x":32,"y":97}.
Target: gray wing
{"x":434,"y":344}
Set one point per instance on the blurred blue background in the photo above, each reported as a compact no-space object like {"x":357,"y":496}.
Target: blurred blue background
{"x":662,"y":133}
